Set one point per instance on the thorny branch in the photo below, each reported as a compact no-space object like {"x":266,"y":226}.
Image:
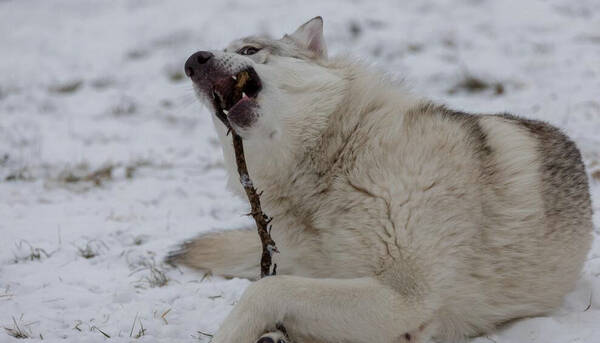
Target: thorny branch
{"x":260,"y":218}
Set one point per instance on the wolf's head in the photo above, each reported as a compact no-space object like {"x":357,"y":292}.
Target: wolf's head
{"x":287,"y":100}
{"x":290,"y":91}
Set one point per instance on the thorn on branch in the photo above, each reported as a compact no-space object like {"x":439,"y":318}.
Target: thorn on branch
{"x":252,"y":214}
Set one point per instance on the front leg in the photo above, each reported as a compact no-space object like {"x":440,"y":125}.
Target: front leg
{"x":324,"y":310}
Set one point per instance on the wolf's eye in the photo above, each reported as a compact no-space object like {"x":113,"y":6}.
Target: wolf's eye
{"x":248,"y":50}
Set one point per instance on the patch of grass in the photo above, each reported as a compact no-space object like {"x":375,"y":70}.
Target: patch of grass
{"x":82,"y":173}
{"x":140,"y":239}
{"x":473,"y":84}
{"x":137,"y":54}
{"x":156,"y":278}
{"x":155,"y":273}
{"x":19,"y":329}
{"x":6,"y":293}
{"x":141,"y":331}
{"x":91,"y":249}
{"x":82,"y":177}
{"x":102,"y":83}
{"x":355,"y":29}
{"x":133,"y":167}
{"x":66,"y":87}
{"x":21,"y":174}
{"x":126,"y":107}
{"x":596,"y":175}
{"x":414,"y":47}
{"x":33,"y":254}
{"x":166,"y":103}
{"x":174,"y":72}
{"x":89,"y":326}
{"x":176,"y":76}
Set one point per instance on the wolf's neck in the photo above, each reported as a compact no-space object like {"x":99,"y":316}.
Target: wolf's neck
{"x":293,"y":175}
{"x":370,"y":97}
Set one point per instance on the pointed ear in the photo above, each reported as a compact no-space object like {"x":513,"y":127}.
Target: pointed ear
{"x":310,"y":36}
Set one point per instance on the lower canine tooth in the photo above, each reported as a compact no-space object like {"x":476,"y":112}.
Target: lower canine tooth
{"x":244,"y":95}
{"x":226,"y":112}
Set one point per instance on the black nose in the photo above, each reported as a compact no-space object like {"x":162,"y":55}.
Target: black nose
{"x":196,"y":61}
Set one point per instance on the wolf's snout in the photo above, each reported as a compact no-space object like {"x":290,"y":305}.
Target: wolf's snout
{"x":196,"y":61}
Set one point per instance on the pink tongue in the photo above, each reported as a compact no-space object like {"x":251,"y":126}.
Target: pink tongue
{"x":243,"y":114}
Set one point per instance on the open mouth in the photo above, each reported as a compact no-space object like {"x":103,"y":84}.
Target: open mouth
{"x":236,"y":92}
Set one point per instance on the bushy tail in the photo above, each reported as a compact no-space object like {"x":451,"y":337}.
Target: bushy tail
{"x":233,"y":253}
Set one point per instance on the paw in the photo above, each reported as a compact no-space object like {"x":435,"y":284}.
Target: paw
{"x":273,"y":337}
{"x":255,"y":313}
{"x":421,"y":335}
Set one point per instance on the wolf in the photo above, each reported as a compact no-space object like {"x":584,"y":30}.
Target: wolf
{"x":397,"y":219}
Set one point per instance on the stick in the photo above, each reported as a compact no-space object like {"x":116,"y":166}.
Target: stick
{"x":260,"y":218}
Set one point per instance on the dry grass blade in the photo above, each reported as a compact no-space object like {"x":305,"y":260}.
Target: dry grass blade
{"x":133,"y":325}
{"x":205,"y":334}
{"x":590,"y":302}
{"x":19,"y":329}
{"x":164,"y":316}
{"x":102,"y":332}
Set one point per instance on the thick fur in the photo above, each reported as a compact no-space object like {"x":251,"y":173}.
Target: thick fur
{"x":397,"y":219}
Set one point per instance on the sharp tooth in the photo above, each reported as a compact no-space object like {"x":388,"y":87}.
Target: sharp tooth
{"x":226,"y":112}
{"x":244,"y":95}
{"x":234,"y":77}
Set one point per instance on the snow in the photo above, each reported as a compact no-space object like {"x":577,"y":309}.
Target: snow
{"x":107,"y":161}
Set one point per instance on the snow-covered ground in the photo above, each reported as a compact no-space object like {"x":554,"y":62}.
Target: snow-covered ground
{"x":107,"y":161}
